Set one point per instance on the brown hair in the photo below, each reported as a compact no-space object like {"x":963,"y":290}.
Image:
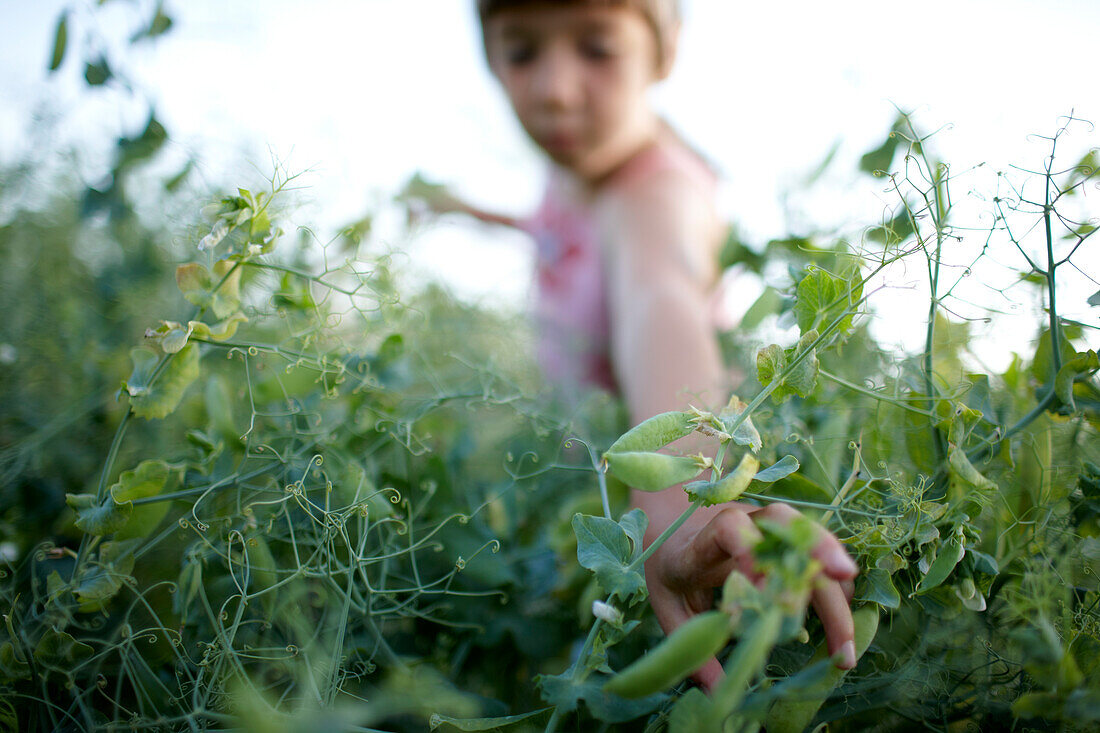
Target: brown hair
{"x":663,"y":16}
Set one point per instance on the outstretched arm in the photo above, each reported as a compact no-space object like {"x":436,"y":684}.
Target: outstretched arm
{"x":424,"y":197}
{"x":657,"y":237}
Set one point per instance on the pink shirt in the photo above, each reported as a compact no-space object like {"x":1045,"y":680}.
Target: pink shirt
{"x":571,"y":307}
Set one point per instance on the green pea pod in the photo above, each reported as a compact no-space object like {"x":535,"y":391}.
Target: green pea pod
{"x":729,"y":487}
{"x":948,"y":557}
{"x":744,"y":664}
{"x":794,"y":715}
{"x":651,"y":471}
{"x":656,"y":432}
{"x":685,"y":650}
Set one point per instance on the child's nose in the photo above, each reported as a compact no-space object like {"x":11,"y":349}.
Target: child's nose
{"x":556,"y":83}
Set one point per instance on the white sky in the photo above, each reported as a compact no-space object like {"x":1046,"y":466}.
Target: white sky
{"x":365,"y":92}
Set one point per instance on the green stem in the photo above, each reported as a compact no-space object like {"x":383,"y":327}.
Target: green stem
{"x":653,"y":546}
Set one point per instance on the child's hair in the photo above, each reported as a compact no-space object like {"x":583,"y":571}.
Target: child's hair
{"x":663,"y":16}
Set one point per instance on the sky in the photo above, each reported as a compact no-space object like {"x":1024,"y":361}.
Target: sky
{"x":360,"y":94}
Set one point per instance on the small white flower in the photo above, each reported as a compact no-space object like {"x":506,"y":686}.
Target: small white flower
{"x":607,"y":612}
{"x":8,"y":354}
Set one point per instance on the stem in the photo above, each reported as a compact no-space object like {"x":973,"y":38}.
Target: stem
{"x":653,"y":546}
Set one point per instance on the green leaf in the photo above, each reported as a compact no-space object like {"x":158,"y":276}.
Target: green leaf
{"x":878,"y":587}
{"x":198,"y":286}
{"x":1042,"y":366}
{"x":480,"y":724}
{"x":60,"y":41}
{"x":773,"y":362}
{"x":822,"y":297}
{"x":11,"y":666}
{"x":769,"y":302}
{"x":1081,"y":365}
{"x":97,"y":72}
{"x":881,"y":157}
{"x":97,"y":518}
{"x":895,"y":231}
{"x":60,"y":652}
{"x":691,"y":712}
{"x":1094,"y":299}
{"x":607,"y":549}
{"x":782,"y":468}
{"x":100,"y":582}
{"x":153,"y":396}
{"x":565,"y":693}
{"x":746,"y":433}
{"x":147,"y":480}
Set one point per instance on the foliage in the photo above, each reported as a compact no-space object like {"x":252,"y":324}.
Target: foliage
{"x":305,"y":499}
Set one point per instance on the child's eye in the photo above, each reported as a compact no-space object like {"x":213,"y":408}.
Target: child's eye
{"x":519,"y":54}
{"x":596,"y":49}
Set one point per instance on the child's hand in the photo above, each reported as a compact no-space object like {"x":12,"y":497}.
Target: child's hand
{"x":425,"y":198}
{"x":682,"y":574}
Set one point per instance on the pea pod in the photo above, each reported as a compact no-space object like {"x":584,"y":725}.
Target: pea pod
{"x":652,"y":471}
{"x":794,"y":715}
{"x":745,"y":663}
{"x":729,"y":487}
{"x":656,"y":432}
{"x":685,"y":650}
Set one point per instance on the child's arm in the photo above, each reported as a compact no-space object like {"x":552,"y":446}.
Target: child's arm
{"x":666,"y":355}
{"x":423,"y":197}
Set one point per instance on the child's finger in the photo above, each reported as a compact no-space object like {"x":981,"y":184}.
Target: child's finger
{"x":836,"y":617}
{"x":723,"y":545}
{"x":833,"y":556}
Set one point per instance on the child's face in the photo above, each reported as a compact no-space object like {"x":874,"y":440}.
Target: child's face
{"x":577,"y":78}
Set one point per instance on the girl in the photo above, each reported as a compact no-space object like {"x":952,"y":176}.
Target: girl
{"x":627,"y":238}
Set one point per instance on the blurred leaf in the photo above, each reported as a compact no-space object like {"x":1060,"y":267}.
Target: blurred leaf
{"x":769,"y":302}
{"x":564,"y":692}
{"x":158,"y":25}
{"x":896,"y":231}
{"x":133,"y":150}
{"x":60,"y":42}
{"x":59,"y":651}
{"x":96,"y":73}
{"x":1081,"y":365}
{"x":480,"y":724}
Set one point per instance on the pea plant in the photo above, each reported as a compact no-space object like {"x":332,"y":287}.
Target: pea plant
{"x":289,"y":492}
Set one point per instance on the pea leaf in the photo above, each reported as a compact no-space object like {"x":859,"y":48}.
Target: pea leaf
{"x":607,"y":548}
{"x":878,"y":587}
{"x":782,"y":468}
{"x":479,"y":724}
{"x":101,"y":581}
{"x":198,"y":286}
{"x":1080,"y":365}
{"x":97,"y":72}
{"x":773,"y":363}
{"x":822,"y":297}
{"x":60,"y":652}
{"x":97,"y":518}
{"x":60,"y":42}
{"x":565,"y":693}
{"x":148,"y":479}
{"x":155,"y":399}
